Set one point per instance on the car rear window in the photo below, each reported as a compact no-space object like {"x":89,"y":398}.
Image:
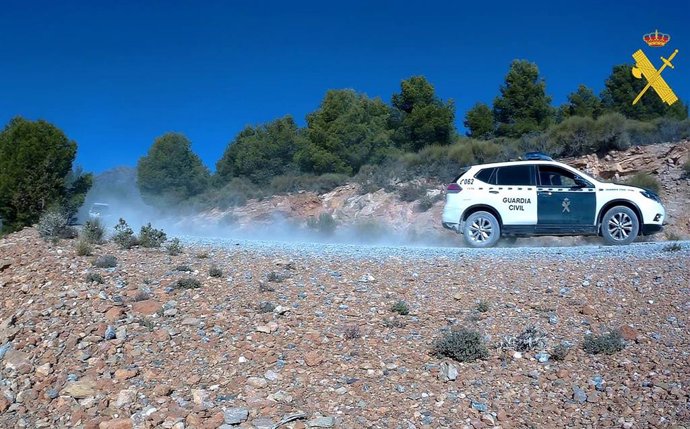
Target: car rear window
{"x":514,"y":175}
{"x":462,"y":173}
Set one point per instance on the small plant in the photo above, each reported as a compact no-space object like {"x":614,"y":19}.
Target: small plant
{"x":324,"y":224}
{"x":560,"y":352}
{"x":124,"y":236}
{"x":202,"y":255}
{"x":105,"y":261}
{"x":483,"y":306}
{"x":93,"y":231}
{"x":265,"y":287}
{"x":608,"y":343}
{"x":54,"y":224}
{"x":187,"y":283}
{"x":672,"y":247}
{"x":174,"y":247}
{"x":462,"y":345}
{"x":84,"y":248}
{"x":94,"y":278}
{"x":266,"y":307}
{"x":214,"y":271}
{"x":411,"y":192}
{"x":531,"y":338}
{"x":352,"y":332}
{"x":394,"y":322}
{"x":151,"y":237}
{"x":141,"y":296}
{"x":275,"y":277}
{"x":672,"y":236}
{"x":146,"y":323}
{"x":644,"y":180}
{"x":183,"y":268}
{"x":401,"y":308}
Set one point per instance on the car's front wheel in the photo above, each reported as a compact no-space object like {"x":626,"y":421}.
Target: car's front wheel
{"x":481,"y":229}
{"x":619,"y":226}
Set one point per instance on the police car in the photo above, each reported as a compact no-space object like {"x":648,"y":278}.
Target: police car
{"x":538,"y":196}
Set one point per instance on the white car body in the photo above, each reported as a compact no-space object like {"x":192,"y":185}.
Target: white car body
{"x":555,"y":200}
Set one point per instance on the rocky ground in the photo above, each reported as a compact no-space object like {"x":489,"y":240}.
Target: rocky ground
{"x":310,"y":335}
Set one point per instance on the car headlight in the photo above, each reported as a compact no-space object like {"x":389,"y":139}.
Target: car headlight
{"x":651,"y":195}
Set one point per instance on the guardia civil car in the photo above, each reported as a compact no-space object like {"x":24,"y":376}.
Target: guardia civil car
{"x":538,"y":196}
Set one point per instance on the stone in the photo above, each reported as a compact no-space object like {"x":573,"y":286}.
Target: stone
{"x":147,"y":307}
{"x":628,"y":333}
{"x":448,"y":372}
{"x":313,"y":358}
{"x":579,"y":395}
{"x":116,"y":424}
{"x":257,"y":382}
{"x":44,"y":370}
{"x":81,"y":388}
{"x":588,"y":310}
{"x":235,"y":416}
{"x":114,"y":314}
{"x":110,"y":333}
{"x":542,"y":357}
{"x":162,"y":390}
{"x":200,"y":396}
{"x":321,"y":422}
{"x":126,"y":397}
{"x":125,"y":374}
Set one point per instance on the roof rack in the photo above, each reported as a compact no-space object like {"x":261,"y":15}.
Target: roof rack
{"x":537,"y":156}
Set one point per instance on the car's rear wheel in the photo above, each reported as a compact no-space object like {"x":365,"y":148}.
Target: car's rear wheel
{"x":481,"y":229}
{"x":619,"y":226}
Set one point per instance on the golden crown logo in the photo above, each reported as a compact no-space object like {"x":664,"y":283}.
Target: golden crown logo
{"x":656,"y":39}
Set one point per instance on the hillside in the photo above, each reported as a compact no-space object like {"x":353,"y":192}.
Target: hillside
{"x":383,"y":216}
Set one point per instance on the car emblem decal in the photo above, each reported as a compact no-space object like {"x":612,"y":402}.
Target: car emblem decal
{"x":566,"y":205}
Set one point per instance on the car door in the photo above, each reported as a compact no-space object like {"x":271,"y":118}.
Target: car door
{"x":565,"y":202}
{"x":514,"y":190}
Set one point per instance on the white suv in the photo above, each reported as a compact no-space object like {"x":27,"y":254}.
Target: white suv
{"x":539,"y":196}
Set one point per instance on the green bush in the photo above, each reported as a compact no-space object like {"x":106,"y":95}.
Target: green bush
{"x":174,"y":247}
{"x":530,"y":339}
{"x":462,"y":345}
{"x":93,"y":231}
{"x":672,"y":247}
{"x":319,"y":184}
{"x":608,"y":343}
{"x":325,"y":223}
{"x":124,"y":236}
{"x":54,"y":224}
{"x":183,"y":268}
{"x":645,"y":181}
{"x":187,"y":283}
{"x":401,"y":308}
{"x":151,"y":237}
{"x":411,"y":192}
{"x":84,"y":248}
{"x":105,"y":261}
{"x":94,"y":278}
{"x":214,"y":271}
{"x":483,"y":306}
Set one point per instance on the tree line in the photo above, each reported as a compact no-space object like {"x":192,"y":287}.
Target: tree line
{"x":348,"y":135}
{"x":349,"y":131}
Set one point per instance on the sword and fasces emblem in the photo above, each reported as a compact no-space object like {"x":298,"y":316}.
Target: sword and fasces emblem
{"x":566,"y":205}
{"x":644,"y":67}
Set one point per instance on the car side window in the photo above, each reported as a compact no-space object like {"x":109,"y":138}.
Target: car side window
{"x":556,"y":177}
{"x":485,"y":175}
{"x":514,"y":175}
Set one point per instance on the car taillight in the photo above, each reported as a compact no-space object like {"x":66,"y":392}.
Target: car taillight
{"x":454,"y":188}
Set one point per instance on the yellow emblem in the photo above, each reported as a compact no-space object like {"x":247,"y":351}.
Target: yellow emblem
{"x":643,"y":67}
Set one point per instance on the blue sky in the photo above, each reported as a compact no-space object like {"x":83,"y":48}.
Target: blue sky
{"x":115,"y":75}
